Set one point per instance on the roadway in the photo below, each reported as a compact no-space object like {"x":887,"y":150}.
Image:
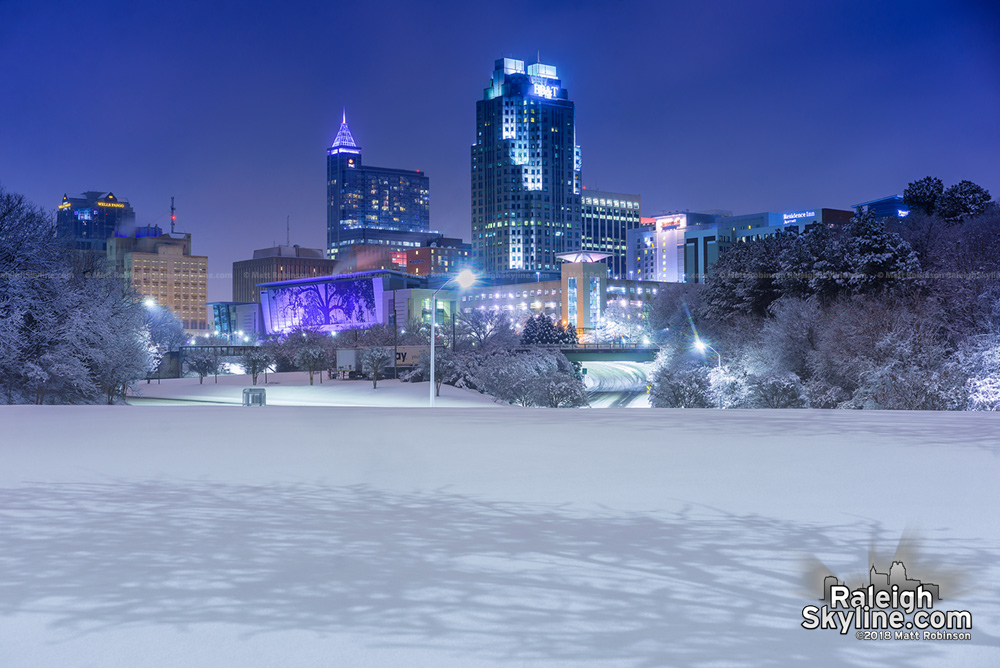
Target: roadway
{"x":617,"y":384}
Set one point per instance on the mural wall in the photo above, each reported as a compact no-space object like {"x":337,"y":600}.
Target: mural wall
{"x":327,"y":307}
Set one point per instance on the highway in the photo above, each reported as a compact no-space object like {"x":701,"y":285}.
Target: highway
{"x":617,"y":384}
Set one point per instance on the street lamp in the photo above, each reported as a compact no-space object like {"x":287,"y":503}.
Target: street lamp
{"x":464,"y":279}
{"x":701,"y":346}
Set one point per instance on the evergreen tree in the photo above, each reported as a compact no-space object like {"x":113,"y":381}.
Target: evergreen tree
{"x":962,"y":199}
{"x":540,"y":330}
{"x":923,"y":195}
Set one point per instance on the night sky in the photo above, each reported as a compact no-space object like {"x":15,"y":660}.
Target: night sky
{"x":230,"y":106}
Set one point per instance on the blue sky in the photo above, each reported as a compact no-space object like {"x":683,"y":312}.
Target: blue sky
{"x":230,"y":106}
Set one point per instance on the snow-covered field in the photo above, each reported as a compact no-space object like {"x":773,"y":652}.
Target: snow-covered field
{"x":292,"y":389}
{"x":214,"y":536}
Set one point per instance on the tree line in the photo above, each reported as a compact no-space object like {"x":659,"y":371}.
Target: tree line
{"x":898,"y":313}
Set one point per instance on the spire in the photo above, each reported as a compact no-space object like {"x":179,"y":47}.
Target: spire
{"x":344,"y":138}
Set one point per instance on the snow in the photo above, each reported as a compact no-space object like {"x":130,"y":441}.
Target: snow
{"x":617,"y":384}
{"x":292,"y":389}
{"x":203,"y":535}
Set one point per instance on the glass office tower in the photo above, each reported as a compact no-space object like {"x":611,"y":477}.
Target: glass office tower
{"x":525,"y":170}
{"x":362,"y":200}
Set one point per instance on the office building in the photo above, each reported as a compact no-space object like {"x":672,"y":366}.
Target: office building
{"x":239,"y":322}
{"x":364,"y":200}
{"x":369,"y":249}
{"x":525,"y":170}
{"x":439,"y":257}
{"x":162,"y":268}
{"x":280,"y":263}
{"x":88,"y":221}
{"x":891,"y":206}
{"x":606,"y":217}
{"x":656,"y":250}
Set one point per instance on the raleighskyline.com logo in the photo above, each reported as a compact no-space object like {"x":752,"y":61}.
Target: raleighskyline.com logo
{"x":891,"y":607}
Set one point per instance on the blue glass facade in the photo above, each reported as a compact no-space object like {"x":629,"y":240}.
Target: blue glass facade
{"x":525,"y":170}
{"x":362,"y":200}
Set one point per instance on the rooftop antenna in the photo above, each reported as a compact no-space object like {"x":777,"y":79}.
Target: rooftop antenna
{"x":288,"y":230}
{"x":173,"y":215}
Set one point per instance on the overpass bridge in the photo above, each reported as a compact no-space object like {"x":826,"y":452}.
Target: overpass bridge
{"x":603,"y":352}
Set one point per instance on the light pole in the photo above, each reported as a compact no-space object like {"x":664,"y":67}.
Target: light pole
{"x":702,"y":347}
{"x":464,"y":279}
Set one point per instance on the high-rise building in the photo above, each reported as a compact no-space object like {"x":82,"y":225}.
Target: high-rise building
{"x":525,"y":170}
{"x":280,"y":263}
{"x":363,"y":200}
{"x":161,"y":268}
{"x":88,"y":221}
{"x":439,"y":257}
{"x":606,"y":217}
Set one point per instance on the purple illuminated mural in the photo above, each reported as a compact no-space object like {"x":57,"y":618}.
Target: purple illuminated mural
{"x":325,"y":306}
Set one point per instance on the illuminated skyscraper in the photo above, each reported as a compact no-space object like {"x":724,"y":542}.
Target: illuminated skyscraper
{"x":87,"y":222}
{"x":525,"y":170}
{"x":365,"y":205}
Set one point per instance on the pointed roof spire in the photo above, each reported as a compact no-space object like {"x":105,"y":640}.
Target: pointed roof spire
{"x":344,"y":138}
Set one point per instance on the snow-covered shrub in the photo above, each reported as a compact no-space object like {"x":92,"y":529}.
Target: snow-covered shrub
{"x":821,"y":394}
{"x":729,"y":387}
{"x":777,"y":390}
{"x":560,"y":391}
{"x":529,"y":378}
{"x":684,"y":386}
{"x":902,"y":386}
{"x":980,"y":359}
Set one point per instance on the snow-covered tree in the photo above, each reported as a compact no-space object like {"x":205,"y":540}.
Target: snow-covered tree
{"x":486,"y":329}
{"x":202,"y":362}
{"x":678,"y":382}
{"x":448,"y":369}
{"x":374,"y":361}
{"x":874,"y":258}
{"x":623,"y":322}
{"x":922,"y":195}
{"x":980,"y":359}
{"x":778,"y":390}
{"x":308,"y":350}
{"x":743,"y":280}
{"x":70,"y":332}
{"x":965,"y":198}
{"x":542,"y":330}
{"x":535,"y":377}
{"x":166,"y":332}
{"x":255,"y":360}
{"x":560,"y":391}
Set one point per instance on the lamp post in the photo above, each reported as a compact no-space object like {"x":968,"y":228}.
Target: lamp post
{"x":702,"y":347}
{"x":464,"y":279}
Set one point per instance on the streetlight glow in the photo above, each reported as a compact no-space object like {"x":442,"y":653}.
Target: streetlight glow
{"x":465,"y":278}
{"x":150,"y":302}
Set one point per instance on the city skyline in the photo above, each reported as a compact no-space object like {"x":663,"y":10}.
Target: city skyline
{"x":232,"y":112}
